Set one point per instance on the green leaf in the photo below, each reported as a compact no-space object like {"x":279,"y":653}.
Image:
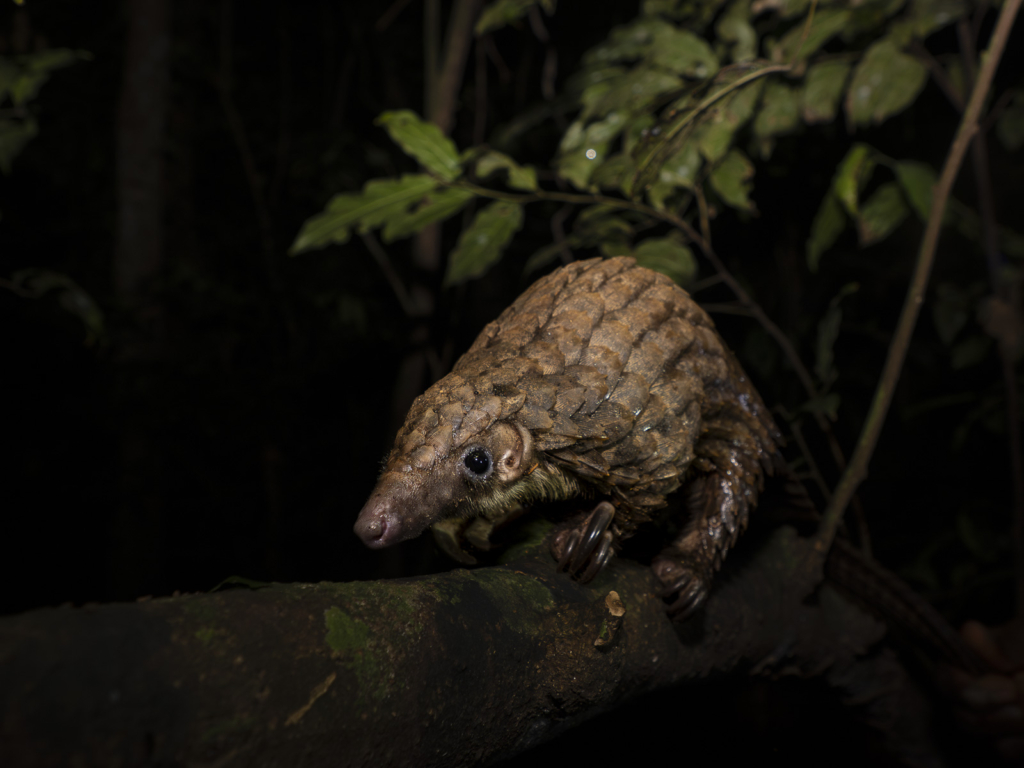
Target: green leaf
{"x":34,"y":283}
{"x":614,"y":173}
{"x":731,"y":180}
{"x":713,"y":138}
{"x":925,"y":17}
{"x":681,"y":169}
{"x":636,"y":131}
{"x":852,"y":175}
{"x":594,"y":82}
{"x":669,"y":256}
{"x":1010,"y":125}
{"x":828,"y":332}
{"x":582,"y":151}
{"x":786,"y":8}
{"x":436,"y":206}
{"x":422,"y":141}
{"x":690,"y":115}
{"x":829,"y":223}
{"x":885,"y":82}
{"x":380,"y":200}
{"x":734,"y":27}
{"x":35,"y":69}
{"x":631,"y":92}
{"x":918,"y":180}
{"x":501,"y":13}
{"x":825,"y":24}
{"x":881,"y":214}
{"x":869,"y":18}
{"x":682,"y":52}
{"x":718,"y":124}
{"x":53,"y":58}
{"x":659,"y":193}
{"x":823,"y":87}
{"x":481,"y":244}
{"x":519,"y":176}
{"x":779,"y":112}
{"x":14,"y":134}
{"x":739,"y":105}
{"x":598,"y":223}
{"x":628,"y":42}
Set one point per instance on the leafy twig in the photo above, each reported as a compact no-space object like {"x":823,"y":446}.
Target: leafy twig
{"x":857,"y":469}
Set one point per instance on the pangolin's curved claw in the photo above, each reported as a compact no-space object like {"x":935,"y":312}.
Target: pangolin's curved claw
{"x":691,"y":597}
{"x":600,"y":559}
{"x":571,"y":543}
{"x":597,"y":525}
{"x":684,"y":588}
{"x":584,"y":550}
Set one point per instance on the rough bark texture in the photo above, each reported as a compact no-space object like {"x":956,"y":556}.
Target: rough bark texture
{"x":456,"y":669}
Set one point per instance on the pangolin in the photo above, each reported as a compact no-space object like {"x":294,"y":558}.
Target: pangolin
{"x":603,"y":379}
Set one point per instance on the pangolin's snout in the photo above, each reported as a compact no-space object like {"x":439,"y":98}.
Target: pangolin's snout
{"x":377,"y":525}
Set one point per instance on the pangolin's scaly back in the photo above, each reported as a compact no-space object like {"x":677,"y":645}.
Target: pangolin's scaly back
{"x":611,"y":367}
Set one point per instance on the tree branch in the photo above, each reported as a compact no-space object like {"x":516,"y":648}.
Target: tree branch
{"x":241,"y":669}
{"x":461,"y":668}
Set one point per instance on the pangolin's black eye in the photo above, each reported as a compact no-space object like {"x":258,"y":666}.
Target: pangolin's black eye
{"x":477,"y":461}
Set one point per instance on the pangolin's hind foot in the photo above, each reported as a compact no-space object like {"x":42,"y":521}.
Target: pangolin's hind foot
{"x":585,"y":549}
{"x":684,"y":587}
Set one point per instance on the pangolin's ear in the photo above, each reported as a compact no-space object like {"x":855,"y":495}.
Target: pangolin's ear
{"x":512,"y":448}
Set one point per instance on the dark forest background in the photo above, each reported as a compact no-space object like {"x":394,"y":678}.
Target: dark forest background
{"x":225,"y":412}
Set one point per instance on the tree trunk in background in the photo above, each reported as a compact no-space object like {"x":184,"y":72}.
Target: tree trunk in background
{"x":141,"y":114}
{"x":137,"y":263}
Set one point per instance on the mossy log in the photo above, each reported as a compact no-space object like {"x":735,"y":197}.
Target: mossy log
{"x":462,"y":668}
